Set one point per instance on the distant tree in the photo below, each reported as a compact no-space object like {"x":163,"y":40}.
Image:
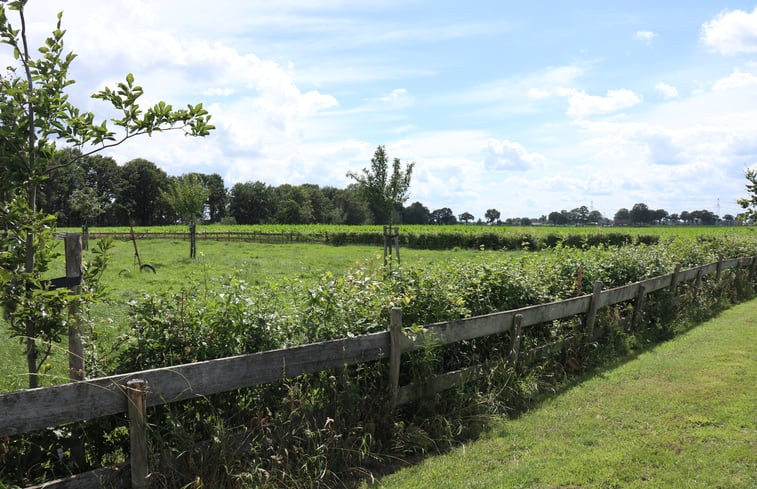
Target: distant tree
{"x":659,"y":215}
{"x":622,"y":217}
{"x":466,"y":217}
{"x":728,"y":219}
{"x":346,"y":206}
{"x":382,"y":190}
{"x":416,"y":213}
{"x":749,"y":203}
{"x":443,"y":216}
{"x":294,"y":206}
{"x":187,"y":195}
{"x":674,"y":218}
{"x":640,"y":214}
{"x":492,"y":216}
{"x":218,"y":197}
{"x":686,"y":217}
{"x":595,"y":217}
{"x":140,"y":194}
{"x":558,"y":218}
{"x":252,"y":203}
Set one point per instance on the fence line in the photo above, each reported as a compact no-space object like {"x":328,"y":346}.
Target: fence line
{"x":34,"y":409}
{"x":246,"y":236}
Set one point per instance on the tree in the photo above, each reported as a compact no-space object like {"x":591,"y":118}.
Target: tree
{"x":492,"y":215}
{"x":640,"y":214}
{"x":622,"y":217}
{"x":466,"y":217}
{"x":218,"y":197}
{"x":35,"y":113}
{"x":252,"y":203}
{"x":443,"y":216}
{"x":383,"y":191}
{"x":749,"y":203}
{"x":88,"y":205}
{"x":187,"y":196}
{"x":595,"y":217}
{"x":416,"y":213}
{"x":140,"y":197}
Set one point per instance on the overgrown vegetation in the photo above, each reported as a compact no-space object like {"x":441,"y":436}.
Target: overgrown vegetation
{"x":327,"y":429}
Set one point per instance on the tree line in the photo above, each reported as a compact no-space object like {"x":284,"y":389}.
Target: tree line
{"x":98,"y":191}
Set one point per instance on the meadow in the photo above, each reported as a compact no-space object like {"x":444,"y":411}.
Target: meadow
{"x":324,"y":429}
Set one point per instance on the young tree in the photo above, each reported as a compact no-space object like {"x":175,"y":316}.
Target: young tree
{"x":35,"y":115}
{"x":187,"y":196}
{"x":384,"y":191}
{"x":89,"y":205}
{"x":749,"y":203}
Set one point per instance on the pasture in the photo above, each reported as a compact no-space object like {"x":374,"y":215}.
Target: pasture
{"x":245,"y":297}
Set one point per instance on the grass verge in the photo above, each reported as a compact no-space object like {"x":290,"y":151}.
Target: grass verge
{"x":682,"y":414}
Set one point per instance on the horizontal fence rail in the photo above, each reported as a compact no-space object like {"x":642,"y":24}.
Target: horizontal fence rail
{"x":246,"y":236}
{"x":34,"y":409}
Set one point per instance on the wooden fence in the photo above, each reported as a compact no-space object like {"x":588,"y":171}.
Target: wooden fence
{"x":246,"y":236}
{"x":34,"y":409}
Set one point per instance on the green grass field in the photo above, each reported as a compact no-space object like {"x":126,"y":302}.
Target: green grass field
{"x":257,"y":264}
{"x":681,"y":415}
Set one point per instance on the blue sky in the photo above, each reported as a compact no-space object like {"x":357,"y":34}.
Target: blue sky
{"x":525,"y":108}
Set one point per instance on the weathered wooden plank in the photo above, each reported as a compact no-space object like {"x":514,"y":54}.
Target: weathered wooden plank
{"x":101,"y":397}
{"x":619,"y":294}
{"x":446,"y":332}
{"x":440,"y":383}
{"x":114,"y":477}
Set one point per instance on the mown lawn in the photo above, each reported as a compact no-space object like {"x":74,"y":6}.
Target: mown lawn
{"x":681,"y":415}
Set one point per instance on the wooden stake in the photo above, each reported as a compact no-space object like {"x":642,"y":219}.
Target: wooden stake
{"x":395,"y":354}
{"x":136,"y":389}
{"x":591,"y":315}
{"x":516,"y":336}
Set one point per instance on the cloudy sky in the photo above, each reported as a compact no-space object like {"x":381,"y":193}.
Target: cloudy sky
{"x":527,"y":108}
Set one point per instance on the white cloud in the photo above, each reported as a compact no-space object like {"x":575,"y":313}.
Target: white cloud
{"x":510,"y":155}
{"x":581,"y":104}
{"x":398,"y":98}
{"x":645,"y":36}
{"x":666,"y":91}
{"x":737,"y":79}
{"x":731,"y":32}
{"x":538,"y":93}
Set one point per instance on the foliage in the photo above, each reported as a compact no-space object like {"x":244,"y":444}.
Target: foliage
{"x":384,"y":191}
{"x":36,"y":114}
{"x":749,"y":203}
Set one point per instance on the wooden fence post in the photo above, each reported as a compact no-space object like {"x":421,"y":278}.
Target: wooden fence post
{"x":638,"y":306}
{"x":591,"y":315}
{"x":395,"y":354}
{"x":698,"y":282}
{"x":719,"y":269}
{"x":516,"y":337}
{"x":674,"y":280}
{"x":72,"y":244}
{"x":136,"y":390}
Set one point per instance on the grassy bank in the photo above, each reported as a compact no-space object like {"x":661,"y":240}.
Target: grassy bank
{"x":683,"y":414}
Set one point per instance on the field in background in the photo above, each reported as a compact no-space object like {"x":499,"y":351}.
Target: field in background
{"x":257,"y":264}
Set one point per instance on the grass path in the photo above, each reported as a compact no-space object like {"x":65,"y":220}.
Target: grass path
{"x":681,"y":415}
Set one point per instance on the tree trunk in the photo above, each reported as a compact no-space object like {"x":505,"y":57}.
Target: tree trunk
{"x":29,"y":330}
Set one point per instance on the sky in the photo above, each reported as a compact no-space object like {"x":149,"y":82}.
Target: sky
{"x":525,"y":107}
